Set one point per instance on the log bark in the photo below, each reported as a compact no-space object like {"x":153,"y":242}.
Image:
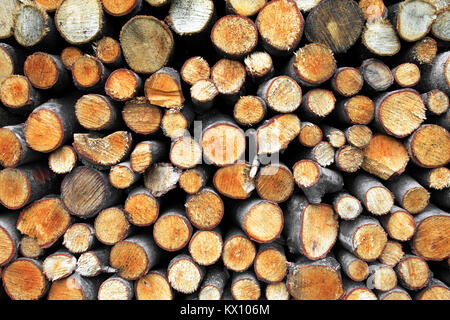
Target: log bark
{"x":111,"y":226}
{"x":14,"y":150}
{"x":180,"y":265}
{"x":172,"y":230}
{"x":205,"y":209}
{"x":239,"y":251}
{"x":409,"y":194}
{"x":205,"y":247}
{"x":437,"y":74}
{"x":436,"y":178}
{"x":213,"y":284}
{"x":94,"y":262}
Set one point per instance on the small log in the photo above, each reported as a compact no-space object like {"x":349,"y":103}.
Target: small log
{"x":373,"y":9}
{"x":363,"y":236}
{"x":302,"y":219}
{"x":7,"y":18}
{"x":246,"y":8}
{"x":381,"y":277}
{"x":51,"y":125}
{"x":172,"y":231}
{"x":115,"y":288}
{"x":399,"y":224}
{"x":155,"y":4}
{"x":396,"y":294}
{"x":406,"y":75}
{"x":346,"y":206}
{"x":392,"y":254}
{"x":213,"y":284}
{"x":281,"y":94}
{"x":25,"y":184}
{"x":377,"y":76}
{"x":259,"y":66}
{"x":356,"y":269}
{"x":310,"y":134}
{"x":147,"y":44}
{"x":385,"y":157}
{"x":348,"y":158}
{"x":205,"y":209}
{"x":334,"y":136}
{"x":45,"y":221}
{"x":9,"y":238}
{"x":49,"y":5}
{"x":123,"y":84}
{"x":355,"y":110}
{"x":379,"y":36}
{"x":358,"y":135}
{"x":239,"y":252}
{"x":275,"y":182}
{"x":409,"y":194}
{"x":280,"y":25}
{"x":421,"y":52}
{"x":142,"y":207}
{"x":315,"y":280}
{"x":24,"y":279}
{"x":234,"y":181}
{"x":357,"y":291}
{"x":193,"y":180}
{"x":249,"y":110}
{"x":69,"y":55}
{"x":163,"y":89}
{"x":153,"y":286}
{"x":229,"y":78}
{"x":46,"y":71}
{"x":160,"y":178}
{"x":316,"y":181}
{"x":270,"y":263}
{"x":74,"y":287}
{"x":412,"y":19}
{"x":122,"y":8}
{"x":435,"y":290}
{"x":195,"y":69}
{"x":413,"y":272}
{"x":244,"y":40}
{"x":205,"y":247}
{"x":175,"y":123}
{"x":89,"y":74}
{"x":86,"y":191}
{"x":103,"y":150}
{"x":29,"y":248}
{"x":79,"y":238}
{"x":436,"y":101}
{"x":97,"y":112}
{"x":108,"y":50}
{"x":140,"y":116}
{"x":277,"y":291}
{"x":437,"y":74}
{"x":317,"y":104}
{"x":427,"y":242}
{"x":80,"y":22}
{"x":347,"y":81}
{"x":111,"y":226}
{"x":275,"y":134}
{"x":439,"y":27}
{"x":436,"y":178}
{"x":59,"y":265}
{"x":62,"y":160}
{"x":121,"y":176}
{"x":134,"y":256}
{"x":323,"y":153}
{"x":14,"y":150}
{"x":95,"y":262}
{"x":429,"y":146}
{"x":11,"y":59}
{"x":245,"y":286}
{"x":185,"y":153}
{"x":203,"y":94}
{"x":17,"y":94}
{"x":184,"y":274}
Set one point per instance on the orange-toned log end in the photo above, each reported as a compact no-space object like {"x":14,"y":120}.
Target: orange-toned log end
{"x":234,"y":36}
{"x":111,"y":226}
{"x":406,"y":75}
{"x":228,"y":76}
{"x":205,"y":247}
{"x":275,"y":183}
{"x":119,"y":8}
{"x":413,"y":272}
{"x":277,"y":291}
{"x":383,"y":278}
{"x":258,"y":64}
{"x":205,"y":209}
{"x":23,"y":279}
{"x":238,"y":253}
{"x":360,"y":294}
{"x":424,"y":51}
{"x":415,"y":200}
{"x":93,"y":111}
{"x":264,"y":222}
{"x":282,"y":94}
{"x":142,"y":209}
{"x":141,"y":157}
{"x":439,"y":178}
{"x":373,"y":9}
{"x":174,"y":124}
{"x":185,"y":153}
{"x":400,"y":225}
{"x":172,"y":232}
{"x":392,"y":253}
{"x":10,"y":148}
{"x":437,"y":101}
{"x":184,"y":275}
{"x":314,"y":63}
{"x":270,"y":265}
{"x":277,"y":133}
{"x":59,"y":265}
{"x":62,"y":160}
{"x":315,"y":282}
{"x":7,"y":63}
{"x":310,"y":134}
{"x":122,"y":176}
{"x":319,"y":103}
{"x":106,"y":151}
{"x":69,"y":55}
{"x":245,"y":8}
{"x":349,"y":158}
{"x":153,"y":286}
{"x":280,"y":25}
{"x":385,"y":157}
{"x":359,"y":135}
{"x":70,"y":288}
{"x":14,"y":188}
{"x":249,"y":110}
{"x":87,"y":71}
{"x":347,"y":81}
{"x":306,"y":173}
{"x":360,"y":110}
{"x":140,"y":116}
{"x":358,"y":270}
{"x":164,"y":90}
{"x":41,"y":70}
{"x":122,"y":84}
{"x":246,"y":289}
{"x":429,"y":146}
{"x":49,"y":5}
{"x":191,"y":181}
{"x":44,"y":130}
{"x":369,"y":242}
{"x":160,"y":178}
{"x":195,"y":69}
{"x":7,"y":247}
{"x":435,"y":292}
{"x":15,"y":91}
{"x":395,"y":295}
{"x":78,"y":238}
{"x":45,"y":220}
{"x":130,"y":259}
{"x":234,"y":181}
{"x":430,"y":241}
{"x":29,"y":248}
{"x":108,"y":50}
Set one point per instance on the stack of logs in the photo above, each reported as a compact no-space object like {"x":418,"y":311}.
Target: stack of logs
{"x":126,"y":172}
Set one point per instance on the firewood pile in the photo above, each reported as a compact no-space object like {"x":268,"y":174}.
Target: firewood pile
{"x":224,"y":150}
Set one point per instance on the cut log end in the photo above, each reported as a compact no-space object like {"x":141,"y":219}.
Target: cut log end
{"x":44,"y":131}
{"x":347,"y":81}
{"x":277,"y":291}
{"x":205,"y":247}
{"x":310,"y":134}
{"x":94,"y":112}
{"x":412,"y":26}
{"x":209,"y":292}
{"x":7,"y":14}
{"x":359,"y":110}
{"x":29,"y":248}
{"x":437,"y":101}
{"x":24,"y":279}
{"x":439,"y":28}
{"x":234,"y":181}
{"x":153,"y":286}
{"x":174,"y":124}
{"x":369,"y":241}
{"x":42,"y":70}
{"x":270,"y":265}
{"x":87,"y":72}
{"x":115,"y":289}
{"x":360,"y":294}
{"x":78,"y":238}
{"x":249,"y":110}
{"x":14,"y":188}
{"x":400,"y":225}
{"x":71,"y":288}
{"x":395,"y":295}
{"x":306,"y":173}
{"x":69,"y":55}
{"x":205,"y":209}
{"x":314,"y":64}
{"x":111,"y":226}
{"x":130,"y":259}
{"x":238,"y":253}
{"x":349,"y":158}
{"x":258,"y":64}
{"x":282,"y":94}
{"x":172,"y":232}
{"x":424,"y":51}
{"x":413,"y":272}
{"x":195,"y":69}
{"x":359,"y":135}
{"x":203,"y":92}
{"x":377,"y":75}
{"x":320,"y":102}
{"x":439,"y":178}
{"x":406,"y":75}
{"x":246,"y":8}
{"x":16,"y":92}
{"x":373,"y":9}
{"x":108,"y":50}
{"x":348,"y":207}
{"x":142,"y":208}
{"x":122,"y":176}
{"x":427,"y":240}
{"x":275,"y":183}
{"x":140,"y":116}
{"x":119,"y":8}
{"x":392,"y":253}
{"x":264,"y":222}
{"x":62,"y":160}
{"x":10,"y":148}
{"x":380,"y":37}
{"x":335,"y":137}
{"x":358,"y":270}
{"x":379,"y":200}
{"x":191,"y":181}
{"x":163,"y":89}
{"x":8,"y":248}
{"x":383,"y":278}
{"x":228,"y":76}
{"x":59,"y":265}
{"x":122,"y":84}
{"x":276,"y":134}
{"x":160,"y":178}
{"x":31,"y":25}
{"x":246,"y":289}
{"x":190,"y":19}
{"x":429,"y":146}
{"x":184,"y":276}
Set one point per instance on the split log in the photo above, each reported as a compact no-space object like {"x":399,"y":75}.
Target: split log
{"x":357,"y":291}
{"x":346,"y":206}
{"x":439,"y":28}
{"x":195,"y":69}
{"x":392,"y":254}
{"x":25,"y":184}
{"x":437,"y":74}
{"x":184,"y":274}
{"x":89,"y":74}
{"x":69,"y":55}
{"x":175,"y":123}
{"x":79,"y":238}
{"x":59,"y":265}
{"x":115,"y":288}
{"x":122,"y":176}
{"x":381,"y":277}
{"x":163,"y":89}
{"x":86,"y":191}
{"x":46,"y":71}
{"x":280,"y":25}
{"x":436,"y":290}
{"x":355,"y":110}
{"x":7,"y":18}
{"x":172,"y":231}
{"x":29,"y":248}
{"x":234,"y":181}
{"x":153,"y":286}
{"x":245,"y":286}
{"x":436,"y":101}
{"x":193,"y":180}
{"x":229,"y":78}
{"x":246,"y":8}
{"x":317,"y":104}
{"x":9,"y":237}
{"x":436,"y":178}
{"x":259,"y":66}
{"x":275,"y":182}
{"x":12,"y":59}
{"x":95,"y":262}
{"x":347,"y":81}
{"x":281,"y":94}
{"x":377,"y":76}
{"x":14,"y":150}
{"x":74,"y":287}
{"x":213,"y":284}
{"x":111,"y":226}
{"x":203,"y":94}
{"x":62,"y":160}
{"x":160,"y":178}
{"x":356,"y":269}
{"x":97,"y":112}
{"x":239,"y":252}
{"x":413,"y":272}
{"x":18,"y":95}
{"x":277,"y":291}
{"x":134,"y":256}
{"x":310,"y":134}
{"x":348,"y":158}
{"x":205,"y":209}
{"x":249,"y":110}
{"x":399,"y":224}
{"x":334,"y":136}
{"x":302,"y":219}
{"x":122,"y":8}
{"x":270,"y":263}
{"x":379,"y":36}
{"x":205,"y":247}
{"x":408,"y":193}
{"x":123,"y":84}
{"x":142,"y":207}
{"x":141,"y":117}
{"x":406,"y":75}
{"x":397,"y":293}
{"x":315,"y":280}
